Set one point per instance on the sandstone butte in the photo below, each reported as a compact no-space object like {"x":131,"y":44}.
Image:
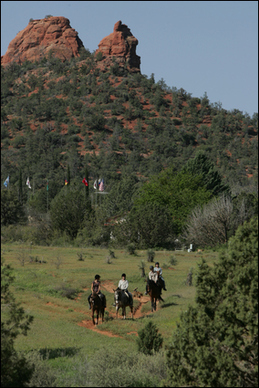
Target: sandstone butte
{"x":54,"y":35}
{"x":41,"y":36}
{"x":121,"y":46}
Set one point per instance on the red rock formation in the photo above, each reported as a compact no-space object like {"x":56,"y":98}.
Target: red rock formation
{"x":121,"y":45}
{"x":42,"y":36}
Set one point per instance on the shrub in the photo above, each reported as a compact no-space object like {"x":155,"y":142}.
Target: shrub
{"x":99,"y":56}
{"x":116,"y":368}
{"x":43,"y":375}
{"x":150,"y":255}
{"x":131,"y":249}
{"x":149,"y":340}
{"x":173,"y":260}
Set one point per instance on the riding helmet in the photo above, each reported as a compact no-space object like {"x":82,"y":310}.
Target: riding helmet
{"x":151,"y":267}
{"x":157,"y":263}
{"x":97,"y":277}
{"x":123,"y":275}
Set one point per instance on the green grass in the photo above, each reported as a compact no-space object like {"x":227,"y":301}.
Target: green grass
{"x":55,"y":327}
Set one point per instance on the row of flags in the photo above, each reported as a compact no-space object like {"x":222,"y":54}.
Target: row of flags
{"x":6,"y":182}
{"x":97,"y":183}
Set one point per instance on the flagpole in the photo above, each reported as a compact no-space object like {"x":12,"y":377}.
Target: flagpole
{"x":47,"y":195}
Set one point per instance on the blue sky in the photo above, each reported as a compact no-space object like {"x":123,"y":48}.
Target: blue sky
{"x":200,"y":46}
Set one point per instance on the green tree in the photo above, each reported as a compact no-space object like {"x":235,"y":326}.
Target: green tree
{"x":216,"y":341}
{"x":15,"y":371}
{"x":67,"y":210}
{"x":149,"y":340}
{"x":177,"y":192}
{"x":121,"y":194}
{"x":12,"y":210}
{"x":149,"y":226}
{"x":201,"y":165}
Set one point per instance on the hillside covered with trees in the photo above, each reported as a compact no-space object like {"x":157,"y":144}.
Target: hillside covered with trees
{"x":161,"y":153}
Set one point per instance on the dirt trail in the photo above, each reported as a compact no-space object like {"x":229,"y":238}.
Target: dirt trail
{"x":109,"y":287}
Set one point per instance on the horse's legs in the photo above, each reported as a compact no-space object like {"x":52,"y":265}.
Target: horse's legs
{"x":124,"y":312}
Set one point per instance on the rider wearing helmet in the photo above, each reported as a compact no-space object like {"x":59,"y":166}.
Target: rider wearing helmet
{"x":161,"y":279}
{"x":96,"y":287}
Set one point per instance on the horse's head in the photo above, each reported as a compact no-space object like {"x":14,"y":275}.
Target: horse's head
{"x":117,"y":296}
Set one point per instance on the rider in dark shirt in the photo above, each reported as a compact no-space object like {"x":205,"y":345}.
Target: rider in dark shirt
{"x":96,"y":287}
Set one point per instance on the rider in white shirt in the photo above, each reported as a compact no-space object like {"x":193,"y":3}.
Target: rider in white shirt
{"x":124,"y":284}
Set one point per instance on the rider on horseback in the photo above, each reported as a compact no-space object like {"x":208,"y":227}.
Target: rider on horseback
{"x":152,"y":277}
{"x":96,"y":287}
{"x":161,"y":280}
{"x":123,"y":286}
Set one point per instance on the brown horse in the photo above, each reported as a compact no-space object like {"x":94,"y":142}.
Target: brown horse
{"x":154,"y":291}
{"x":96,"y":306}
{"x":122,"y":301}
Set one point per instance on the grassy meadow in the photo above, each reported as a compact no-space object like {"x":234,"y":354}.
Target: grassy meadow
{"x":55,"y":292}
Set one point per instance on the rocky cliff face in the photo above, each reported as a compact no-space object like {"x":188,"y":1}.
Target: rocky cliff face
{"x":42,"y":36}
{"x":121,"y":45}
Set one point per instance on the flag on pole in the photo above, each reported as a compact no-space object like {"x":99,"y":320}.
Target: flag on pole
{"x":101,"y":187}
{"x":95,"y":184}
{"x":85,"y":182}
{"x":28,"y":183}
{"x":66,"y":182}
{"x":6,"y":182}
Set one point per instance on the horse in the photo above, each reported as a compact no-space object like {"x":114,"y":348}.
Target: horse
{"x":96,"y":306}
{"x":154,"y":291}
{"x":122,"y":301}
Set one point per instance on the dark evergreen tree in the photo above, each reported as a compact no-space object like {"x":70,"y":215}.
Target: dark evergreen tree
{"x":201,"y":165}
{"x":149,"y":340}
{"x":15,"y":371}
{"x":12,"y":211}
{"x":216,"y":341}
{"x":67,"y":210}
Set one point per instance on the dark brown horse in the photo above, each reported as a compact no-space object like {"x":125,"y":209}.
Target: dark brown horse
{"x":96,"y":306}
{"x":122,"y":301}
{"x":154,"y":291}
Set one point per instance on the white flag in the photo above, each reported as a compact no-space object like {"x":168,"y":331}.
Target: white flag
{"x":95,"y":184}
{"x":28,"y":183}
{"x":101,"y":186}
